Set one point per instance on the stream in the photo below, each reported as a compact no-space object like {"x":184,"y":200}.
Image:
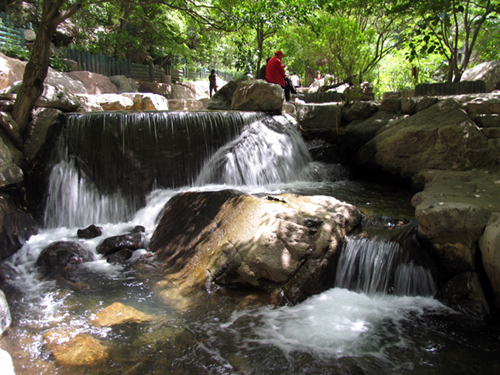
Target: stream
{"x":380,"y":318}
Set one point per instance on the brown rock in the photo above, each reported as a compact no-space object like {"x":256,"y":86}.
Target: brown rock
{"x":236,"y":240}
{"x":117,"y":314}
{"x":76,"y":350}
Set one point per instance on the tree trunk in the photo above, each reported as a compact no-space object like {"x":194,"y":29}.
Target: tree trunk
{"x":38,"y":64}
{"x":34,"y":74}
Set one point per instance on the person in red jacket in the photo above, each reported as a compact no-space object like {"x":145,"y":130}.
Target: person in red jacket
{"x":275,"y":72}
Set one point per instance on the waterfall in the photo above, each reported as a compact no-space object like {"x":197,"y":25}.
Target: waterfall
{"x":267,"y":152}
{"x":107,"y":163}
{"x":381,"y":265}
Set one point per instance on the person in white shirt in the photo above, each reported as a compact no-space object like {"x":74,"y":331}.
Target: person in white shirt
{"x":295,"y":80}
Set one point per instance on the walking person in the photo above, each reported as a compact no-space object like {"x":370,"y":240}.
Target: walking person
{"x":295,"y":80}
{"x":212,"y":78}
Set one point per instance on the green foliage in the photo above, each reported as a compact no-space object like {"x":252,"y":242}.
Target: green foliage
{"x":450,"y":28}
{"x":56,"y":63}
{"x":15,"y":50}
{"x":395,"y":72}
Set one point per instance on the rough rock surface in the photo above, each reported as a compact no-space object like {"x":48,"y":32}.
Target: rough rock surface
{"x":223,"y":97}
{"x":62,"y":258}
{"x":16,"y":226}
{"x":75,"y":349}
{"x":10,"y":172}
{"x":118,"y":314}
{"x":258,"y":95}
{"x":11,"y":70}
{"x":94,"y":83}
{"x":440,"y":137}
{"x":319,"y":116}
{"x":289,"y":243}
{"x":488,"y":71}
{"x":489,"y":245}
{"x":360,"y":132}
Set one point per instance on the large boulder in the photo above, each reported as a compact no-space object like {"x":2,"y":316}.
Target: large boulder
{"x":126,"y":101}
{"x":440,"y":137}
{"x":222,"y":99}
{"x":123,"y":84}
{"x":55,"y":78}
{"x":53,"y":96}
{"x":10,"y":172}
{"x":36,"y":135}
{"x":489,"y":245}
{"x":319,"y":116}
{"x":282,"y":243}
{"x":94,"y":83}
{"x":488,"y":71}
{"x":453,"y":211}
{"x":185,"y":104}
{"x":16,"y":226}
{"x":359,"y":132}
{"x":258,"y":95}
{"x":62,"y":258}
{"x":11,"y":70}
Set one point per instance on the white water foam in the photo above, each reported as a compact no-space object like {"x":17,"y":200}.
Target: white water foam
{"x":336,"y":323}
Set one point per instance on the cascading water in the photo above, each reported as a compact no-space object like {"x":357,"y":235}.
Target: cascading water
{"x":108,"y":163}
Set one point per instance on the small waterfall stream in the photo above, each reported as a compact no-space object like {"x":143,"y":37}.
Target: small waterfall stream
{"x":118,"y":170}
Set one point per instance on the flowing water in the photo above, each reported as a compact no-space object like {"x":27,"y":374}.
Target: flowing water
{"x":379,"y":319}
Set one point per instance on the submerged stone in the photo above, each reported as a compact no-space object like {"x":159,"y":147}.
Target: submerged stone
{"x":117,"y":314}
{"x":75,"y":350}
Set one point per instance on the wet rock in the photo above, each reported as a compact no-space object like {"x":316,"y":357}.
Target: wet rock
{"x":120,"y":256}
{"x":110,"y":245}
{"x":36,"y":133}
{"x":489,"y":245}
{"x":453,"y":211}
{"x":16,"y":226}
{"x":288,"y":243}
{"x":92,"y":231}
{"x":62,"y":258}
{"x":118,"y":314}
{"x":71,"y":349}
{"x":464,"y":293}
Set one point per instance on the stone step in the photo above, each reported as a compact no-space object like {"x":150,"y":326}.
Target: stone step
{"x":486,"y":120}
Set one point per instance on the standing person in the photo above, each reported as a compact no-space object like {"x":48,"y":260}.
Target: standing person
{"x":212,"y":78}
{"x":275,"y":71}
{"x":295,"y":80}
